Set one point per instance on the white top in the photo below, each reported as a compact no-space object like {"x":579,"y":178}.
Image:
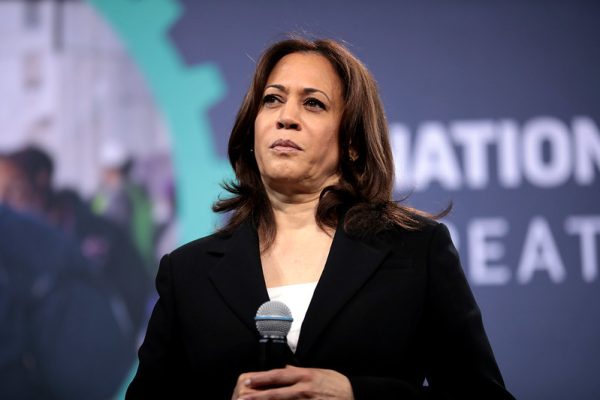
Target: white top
{"x":297,"y":297}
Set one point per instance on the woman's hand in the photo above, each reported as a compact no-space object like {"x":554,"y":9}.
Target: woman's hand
{"x":293,"y":383}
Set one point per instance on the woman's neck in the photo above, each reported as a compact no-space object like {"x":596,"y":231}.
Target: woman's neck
{"x":296,"y":209}
{"x":294,"y":212}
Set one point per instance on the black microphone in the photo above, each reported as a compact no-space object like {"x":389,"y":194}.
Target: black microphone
{"x":273,"y":321}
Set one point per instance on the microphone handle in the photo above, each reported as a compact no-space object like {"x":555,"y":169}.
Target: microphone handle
{"x":273,"y":353}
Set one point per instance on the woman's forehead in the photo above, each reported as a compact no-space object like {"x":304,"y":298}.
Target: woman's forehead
{"x":307,"y":70}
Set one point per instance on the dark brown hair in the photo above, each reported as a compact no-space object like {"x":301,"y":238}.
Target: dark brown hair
{"x":364,"y":192}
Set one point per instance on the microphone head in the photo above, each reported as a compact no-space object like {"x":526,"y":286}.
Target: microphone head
{"x":273,"y":319}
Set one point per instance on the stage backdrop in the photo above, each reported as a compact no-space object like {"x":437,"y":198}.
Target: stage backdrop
{"x":493,"y":105}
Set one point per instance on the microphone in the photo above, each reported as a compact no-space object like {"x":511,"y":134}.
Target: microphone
{"x":273,"y":322}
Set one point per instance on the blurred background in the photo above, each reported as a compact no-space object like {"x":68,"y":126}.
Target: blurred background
{"x":114,"y":120}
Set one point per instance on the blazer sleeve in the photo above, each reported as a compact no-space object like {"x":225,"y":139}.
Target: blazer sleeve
{"x":161,"y":372}
{"x":459,"y":362}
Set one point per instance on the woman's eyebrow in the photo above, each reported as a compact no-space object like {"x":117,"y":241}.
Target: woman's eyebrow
{"x":313,"y":90}
{"x":277,"y":86}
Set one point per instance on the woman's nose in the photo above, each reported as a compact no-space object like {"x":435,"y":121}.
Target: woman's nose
{"x":287,"y":124}
{"x":288,"y":118}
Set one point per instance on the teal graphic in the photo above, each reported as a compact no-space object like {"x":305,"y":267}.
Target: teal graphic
{"x":184,"y":94}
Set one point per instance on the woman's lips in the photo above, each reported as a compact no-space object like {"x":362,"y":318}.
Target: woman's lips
{"x":285,"y":145}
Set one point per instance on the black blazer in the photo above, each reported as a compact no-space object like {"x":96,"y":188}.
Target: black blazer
{"x":388,"y":312}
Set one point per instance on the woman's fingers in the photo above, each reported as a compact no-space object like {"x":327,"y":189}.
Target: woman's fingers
{"x":276,"y":377}
{"x":293,"y":383}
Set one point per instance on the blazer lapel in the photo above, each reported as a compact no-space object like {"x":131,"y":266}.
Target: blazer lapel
{"x":349,"y":264}
{"x":238,"y":276}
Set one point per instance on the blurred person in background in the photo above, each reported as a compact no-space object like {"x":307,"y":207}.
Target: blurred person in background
{"x":15,"y":188}
{"x":125,"y":201}
{"x":27,"y":175}
{"x":60,"y":334}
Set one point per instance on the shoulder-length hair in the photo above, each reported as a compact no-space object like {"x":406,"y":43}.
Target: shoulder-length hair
{"x":364,"y":193}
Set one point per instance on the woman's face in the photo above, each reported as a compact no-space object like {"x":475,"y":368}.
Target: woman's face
{"x":297,"y":126}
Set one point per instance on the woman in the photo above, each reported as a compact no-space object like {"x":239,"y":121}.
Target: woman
{"x":377,"y":288}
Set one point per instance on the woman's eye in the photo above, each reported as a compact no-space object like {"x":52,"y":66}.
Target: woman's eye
{"x":314,"y":103}
{"x":270,"y":99}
